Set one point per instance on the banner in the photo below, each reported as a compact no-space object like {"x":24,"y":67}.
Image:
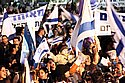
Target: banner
{"x":20,"y":19}
{"x":102,"y":25}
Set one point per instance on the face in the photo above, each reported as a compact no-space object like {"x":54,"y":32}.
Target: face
{"x":16,"y":41}
{"x":4,"y":40}
{"x":52,"y":65}
{"x":42,"y":32}
{"x":2,"y":73}
{"x":42,"y":74}
{"x":64,"y":51}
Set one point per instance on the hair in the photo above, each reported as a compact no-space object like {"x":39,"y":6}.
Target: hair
{"x":17,"y":38}
{"x":44,"y":69}
{"x":1,"y":67}
{"x":4,"y":36}
{"x":41,"y":28}
{"x":86,"y":45}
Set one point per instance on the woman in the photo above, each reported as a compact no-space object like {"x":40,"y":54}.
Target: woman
{"x":43,"y":76}
{"x":3,"y":75}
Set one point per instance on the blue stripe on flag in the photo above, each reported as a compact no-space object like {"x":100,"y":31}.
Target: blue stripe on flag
{"x":44,"y":51}
{"x":43,"y":40}
{"x":5,"y":16}
{"x":57,"y":41}
{"x":86,"y":26}
{"x":72,"y":16}
{"x":81,"y":7}
{"x":29,"y":41}
{"x":52,"y":20}
{"x":119,"y":47}
{"x":119,"y":24}
{"x":56,"y":38}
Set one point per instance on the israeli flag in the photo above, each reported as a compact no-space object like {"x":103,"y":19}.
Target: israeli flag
{"x":7,"y":28}
{"x":28,"y":47}
{"x":93,"y":3}
{"x":84,"y":27}
{"x":41,"y":51}
{"x":68,"y":15}
{"x":56,"y":40}
{"x":119,"y":29}
{"x":52,"y":19}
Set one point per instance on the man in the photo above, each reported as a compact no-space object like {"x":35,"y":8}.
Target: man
{"x":119,"y":74}
{"x":40,"y":36}
{"x":4,"y":49}
{"x":16,"y":41}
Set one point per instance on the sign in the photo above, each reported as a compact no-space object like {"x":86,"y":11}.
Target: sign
{"x":102,"y":25}
{"x":20,"y":19}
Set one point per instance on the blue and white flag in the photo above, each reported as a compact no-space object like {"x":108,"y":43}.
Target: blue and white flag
{"x":56,"y":40}
{"x":53,"y":17}
{"x":84,"y":27}
{"x":7,"y":28}
{"x":31,"y":27}
{"x":119,"y":29}
{"x":94,"y":5}
{"x":29,"y":48}
{"x":41,"y":51}
{"x":68,"y":15}
{"x":24,"y":51}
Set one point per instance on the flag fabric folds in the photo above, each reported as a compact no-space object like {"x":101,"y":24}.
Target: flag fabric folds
{"x":7,"y":28}
{"x":42,"y":50}
{"x":94,"y":5}
{"x":56,"y":40}
{"x":28,"y":47}
{"x":68,"y":15}
{"x":119,"y":29}
{"x":52,"y":19}
{"x":85,"y":26}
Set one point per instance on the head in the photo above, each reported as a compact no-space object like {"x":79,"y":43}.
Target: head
{"x":119,"y":69}
{"x":2,"y":72}
{"x":52,"y":64}
{"x":16,"y":41}
{"x":41,"y":31}
{"x":43,"y":73}
{"x":88,"y":45}
{"x":5,"y":39}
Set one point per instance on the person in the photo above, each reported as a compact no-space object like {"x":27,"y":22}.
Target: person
{"x":4,"y":49}
{"x":39,"y":36}
{"x":119,"y":73}
{"x":3,"y":75}
{"x":51,"y":66}
{"x":89,"y":56}
{"x":63,"y":62}
{"x":44,"y":76}
{"x":16,"y":42}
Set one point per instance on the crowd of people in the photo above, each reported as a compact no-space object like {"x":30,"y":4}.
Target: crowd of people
{"x":61,"y":64}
